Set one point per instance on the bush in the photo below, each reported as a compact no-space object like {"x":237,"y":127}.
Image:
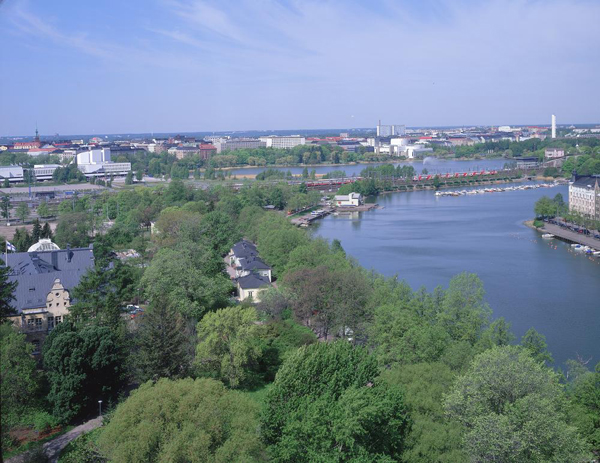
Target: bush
{"x":41,"y":420}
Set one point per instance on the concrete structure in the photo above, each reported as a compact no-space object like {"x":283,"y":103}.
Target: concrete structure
{"x":528,"y":163}
{"x":14,"y":174}
{"x":239,"y":143}
{"x":286,"y":142}
{"x":553,"y":153}
{"x":553,"y":126}
{"x":352,"y":199}
{"x":45,"y":279}
{"x":97,"y":163}
{"x":584,"y":196}
{"x":390,"y":130}
{"x":204,"y":151}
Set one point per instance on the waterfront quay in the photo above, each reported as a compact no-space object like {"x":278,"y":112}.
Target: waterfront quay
{"x":570,"y":236}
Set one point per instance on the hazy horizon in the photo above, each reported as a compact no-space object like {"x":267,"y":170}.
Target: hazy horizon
{"x":181,"y":66}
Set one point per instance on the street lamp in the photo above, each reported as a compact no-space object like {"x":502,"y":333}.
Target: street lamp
{"x":100,"y":408}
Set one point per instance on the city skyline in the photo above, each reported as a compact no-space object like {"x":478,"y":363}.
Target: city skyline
{"x":196,"y":66}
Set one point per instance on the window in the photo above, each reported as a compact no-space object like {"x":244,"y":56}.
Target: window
{"x":50,"y":323}
{"x":58,"y":320}
{"x":36,"y":347}
{"x":56,"y":294}
{"x":38,"y":323}
{"x":30,"y":323}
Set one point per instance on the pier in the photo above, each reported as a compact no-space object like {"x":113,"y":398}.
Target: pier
{"x":570,"y":236}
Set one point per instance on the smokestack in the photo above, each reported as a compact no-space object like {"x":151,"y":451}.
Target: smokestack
{"x":553,"y":126}
{"x":69,"y":253}
{"x":54,"y":256}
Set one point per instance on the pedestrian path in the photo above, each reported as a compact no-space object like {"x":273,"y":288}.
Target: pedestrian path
{"x":53,"y":448}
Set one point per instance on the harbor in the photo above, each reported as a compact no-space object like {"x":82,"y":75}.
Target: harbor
{"x":588,"y":244}
{"x":496,"y":189}
{"x":305,"y":220}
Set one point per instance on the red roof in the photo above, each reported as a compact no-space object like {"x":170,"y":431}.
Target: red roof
{"x":207,"y":146}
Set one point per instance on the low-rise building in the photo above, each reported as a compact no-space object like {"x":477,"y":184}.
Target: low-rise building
{"x":97,"y":163}
{"x":250,"y":286}
{"x":204,"y":151}
{"x":584,"y":196}
{"x":286,"y":142}
{"x":352,"y":199}
{"x":238,"y":144}
{"x":45,"y":276}
{"x":553,"y":153}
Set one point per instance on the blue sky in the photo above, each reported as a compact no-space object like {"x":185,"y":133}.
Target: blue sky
{"x":199,"y":65}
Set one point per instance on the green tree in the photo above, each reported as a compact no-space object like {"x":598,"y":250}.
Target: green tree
{"x":139,"y":175}
{"x":177,"y":278}
{"x":186,"y":420}
{"x":36,"y":232}
{"x":5,"y":207}
{"x":545,"y":207}
{"x":464,"y":313}
{"x":83,"y":365}
{"x":432,"y":437}
{"x":47,"y":231}
{"x":585,"y":396}
{"x":7,"y":289}
{"x":163,"y":342}
{"x":73,"y":228}
{"x":327,"y":404}
{"x":23,"y":211}
{"x":228,"y":344}
{"x":6,"y":183}
{"x":535,"y":343}
{"x":513,"y":409}
{"x":129,"y":178}
{"x":19,"y":381}
{"x":43,"y":210}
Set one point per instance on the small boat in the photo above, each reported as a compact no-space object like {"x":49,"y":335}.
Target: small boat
{"x":575,"y":245}
{"x":547,"y":236}
{"x":596,"y":253}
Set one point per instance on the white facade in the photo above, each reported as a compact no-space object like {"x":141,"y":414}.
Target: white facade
{"x":390,"y":130}
{"x":553,"y":153}
{"x":353,"y":199}
{"x":584,"y":197}
{"x":12,"y":173}
{"x":44,"y":171}
{"x":283,"y":142}
{"x":97,"y":163}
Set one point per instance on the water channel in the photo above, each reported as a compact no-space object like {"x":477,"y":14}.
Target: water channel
{"x":531,"y":282}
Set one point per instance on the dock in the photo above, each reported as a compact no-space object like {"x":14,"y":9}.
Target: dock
{"x":306,"y":219}
{"x":570,"y":236}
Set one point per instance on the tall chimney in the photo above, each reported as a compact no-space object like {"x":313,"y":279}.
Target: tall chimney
{"x":54,"y":256}
{"x":69,"y":253}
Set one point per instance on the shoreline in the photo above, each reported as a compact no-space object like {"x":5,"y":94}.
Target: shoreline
{"x":356,"y":163}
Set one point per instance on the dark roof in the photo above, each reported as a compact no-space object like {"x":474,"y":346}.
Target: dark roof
{"x":583,"y":182}
{"x":253,"y":281}
{"x":244,"y":249}
{"x":252,"y":263}
{"x":35,"y":273}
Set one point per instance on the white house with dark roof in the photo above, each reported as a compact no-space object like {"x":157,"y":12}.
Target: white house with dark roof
{"x":251,"y":285}
{"x":584,"y":196}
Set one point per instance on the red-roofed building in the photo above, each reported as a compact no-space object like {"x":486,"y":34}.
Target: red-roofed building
{"x":27,"y":145}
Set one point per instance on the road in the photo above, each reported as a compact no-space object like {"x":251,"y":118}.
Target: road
{"x":572,"y":236}
{"x":53,"y":448}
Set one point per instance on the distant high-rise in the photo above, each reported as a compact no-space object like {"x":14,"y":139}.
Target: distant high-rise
{"x":390,"y":130}
{"x":553,"y":126}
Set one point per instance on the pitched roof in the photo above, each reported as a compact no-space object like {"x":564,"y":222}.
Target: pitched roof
{"x":253,"y":263}
{"x":35,"y":273}
{"x":253,"y":281}
{"x":244,"y":249}
{"x":584,"y":182}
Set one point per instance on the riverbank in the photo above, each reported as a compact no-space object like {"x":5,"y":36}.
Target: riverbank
{"x":566,"y":235}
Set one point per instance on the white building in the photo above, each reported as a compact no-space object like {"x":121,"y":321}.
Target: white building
{"x":553,"y":126}
{"x":12,"y":173}
{"x":273,"y":141}
{"x":352,"y":199}
{"x":239,"y":143}
{"x":390,"y":130}
{"x":584,"y":196}
{"x":97,"y":163}
{"x":553,"y":153}
{"x":44,"y":171}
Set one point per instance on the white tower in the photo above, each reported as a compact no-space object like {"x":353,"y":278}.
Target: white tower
{"x":553,"y":126}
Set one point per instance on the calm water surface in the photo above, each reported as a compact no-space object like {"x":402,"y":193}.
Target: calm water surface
{"x":426,"y":240}
{"x":433,"y":166}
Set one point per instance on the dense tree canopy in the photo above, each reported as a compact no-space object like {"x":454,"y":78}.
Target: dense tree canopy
{"x":184,"y":420}
{"x":513,"y":409}
{"x":327,"y":404}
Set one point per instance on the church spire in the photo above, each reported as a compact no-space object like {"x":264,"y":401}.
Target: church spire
{"x":37,"y":135}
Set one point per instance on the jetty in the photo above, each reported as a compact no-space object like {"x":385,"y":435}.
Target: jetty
{"x":570,"y":236}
